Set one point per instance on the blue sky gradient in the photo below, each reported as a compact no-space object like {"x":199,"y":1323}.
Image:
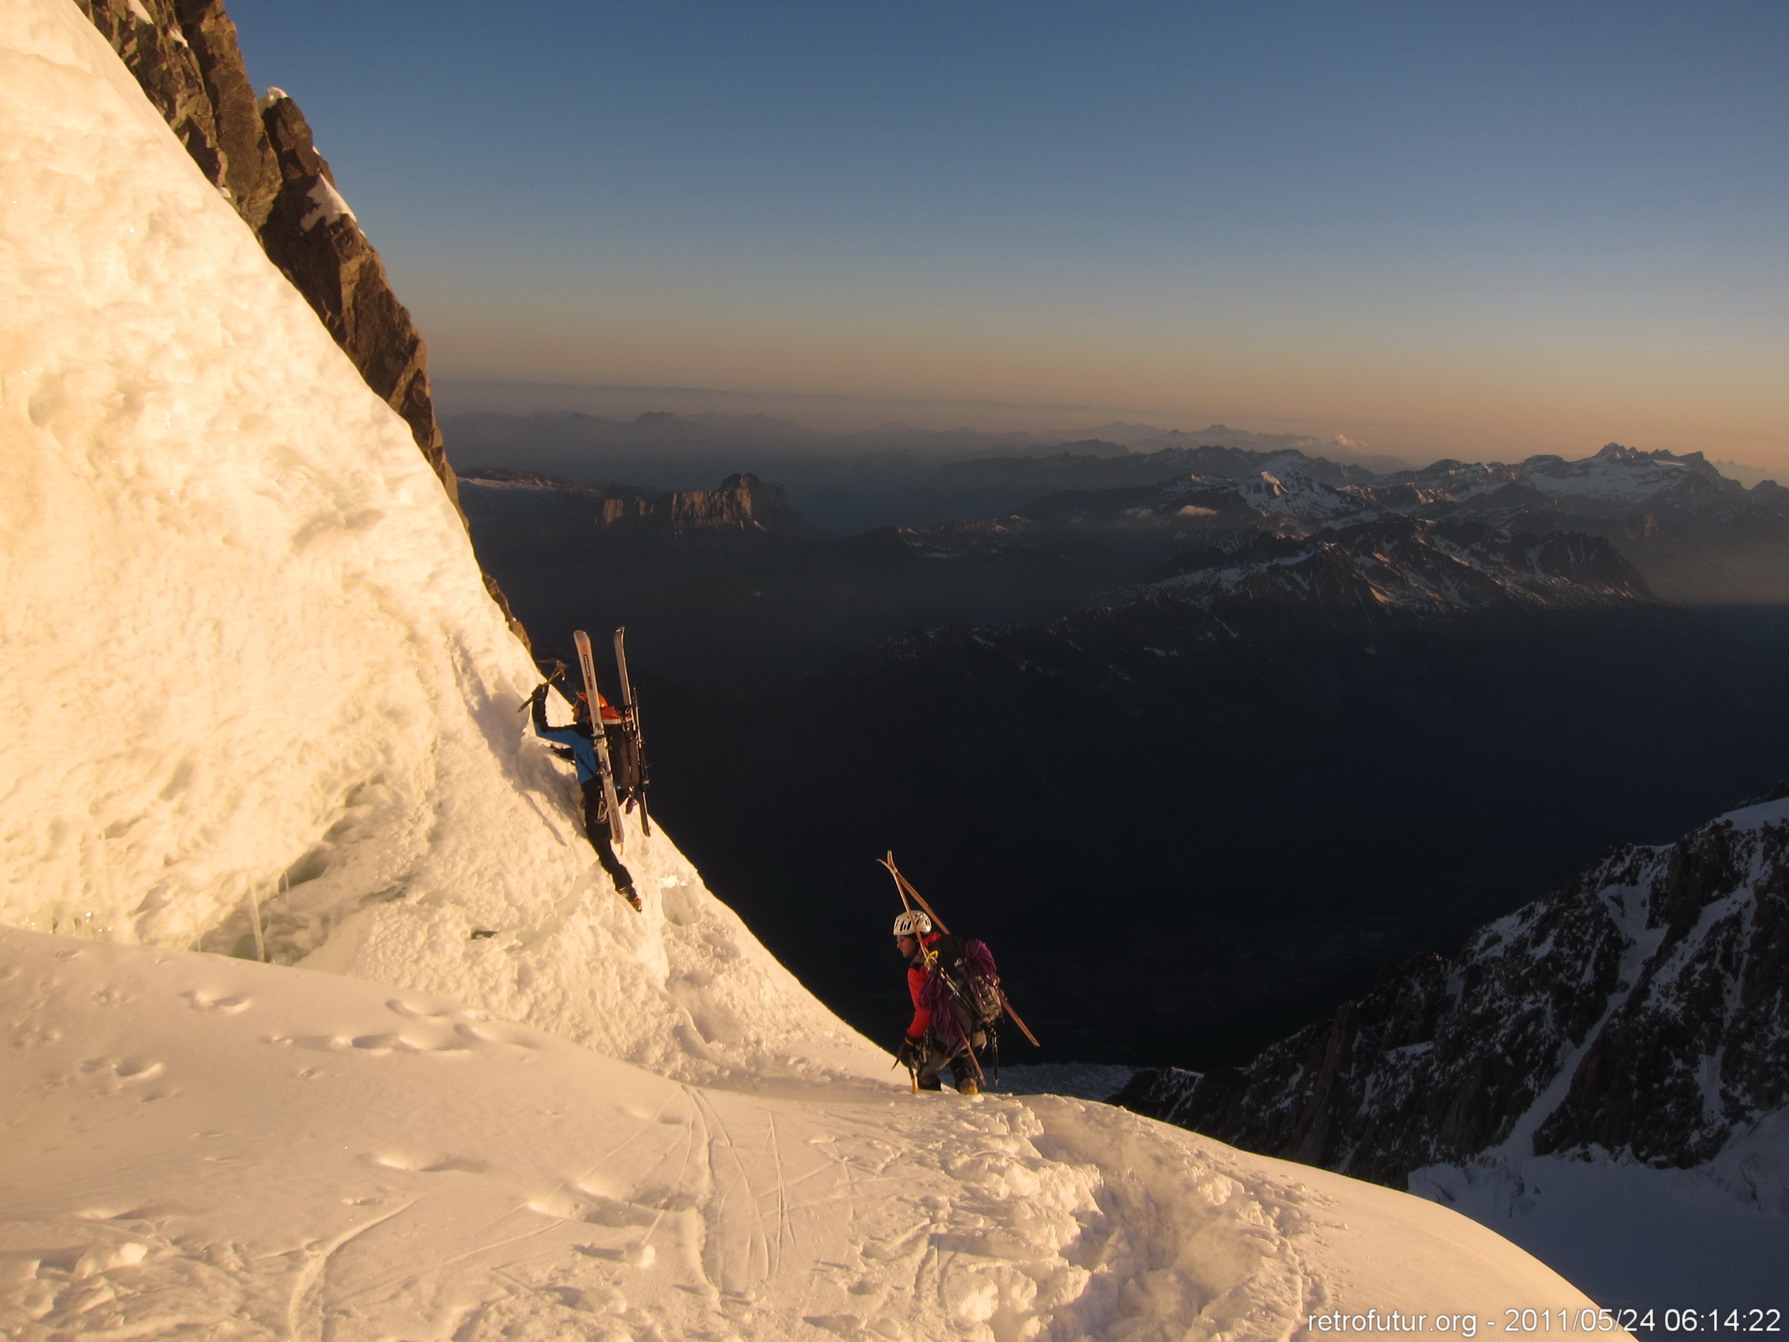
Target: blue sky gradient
{"x":1476,"y":228}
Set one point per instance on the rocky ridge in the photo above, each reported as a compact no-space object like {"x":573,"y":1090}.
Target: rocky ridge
{"x":1641,"y":1013}
{"x":1405,"y":562}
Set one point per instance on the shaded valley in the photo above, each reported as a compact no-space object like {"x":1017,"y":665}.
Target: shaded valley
{"x":1198,"y":755}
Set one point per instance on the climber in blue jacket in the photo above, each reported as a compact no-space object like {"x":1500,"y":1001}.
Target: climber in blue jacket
{"x":578,"y":742}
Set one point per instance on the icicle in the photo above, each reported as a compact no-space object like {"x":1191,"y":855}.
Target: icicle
{"x":254,"y":917}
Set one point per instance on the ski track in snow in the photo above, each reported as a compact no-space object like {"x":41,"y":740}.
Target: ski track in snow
{"x":441,"y":1174}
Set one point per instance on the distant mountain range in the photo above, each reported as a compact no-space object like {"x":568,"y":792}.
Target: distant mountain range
{"x":841,"y":481}
{"x":483,"y":436}
{"x":1692,"y":534}
{"x":1613,"y":482}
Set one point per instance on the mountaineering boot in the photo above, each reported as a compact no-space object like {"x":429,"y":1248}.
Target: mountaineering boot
{"x":631,"y":895}
{"x":968,"y":1087}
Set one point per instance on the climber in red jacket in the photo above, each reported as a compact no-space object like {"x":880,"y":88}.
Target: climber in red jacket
{"x":927,"y":1049}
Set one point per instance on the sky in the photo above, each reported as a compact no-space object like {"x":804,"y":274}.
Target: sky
{"x":1479,"y":228}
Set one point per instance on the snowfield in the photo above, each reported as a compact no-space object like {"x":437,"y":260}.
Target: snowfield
{"x":250,"y":668}
{"x":204,"y":1143}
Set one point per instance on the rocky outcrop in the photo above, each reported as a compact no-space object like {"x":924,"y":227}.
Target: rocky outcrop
{"x":260,"y":154}
{"x":540,"y":504}
{"x":742,"y":503}
{"x":1643,"y":1011}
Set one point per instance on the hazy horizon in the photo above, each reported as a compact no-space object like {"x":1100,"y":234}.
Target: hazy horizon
{"x":838,"y":414}
{"x":834,"y":412}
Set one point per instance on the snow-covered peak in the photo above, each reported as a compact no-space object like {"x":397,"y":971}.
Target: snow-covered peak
{"x":1619,"y":475}
{"x":1758,"y":814}
{"x":1290,"y":493}
{"x":1615,"y":479}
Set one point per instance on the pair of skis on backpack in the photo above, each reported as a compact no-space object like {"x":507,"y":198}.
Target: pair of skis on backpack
{"x":629,"y":709}
{"x":630,"y":740}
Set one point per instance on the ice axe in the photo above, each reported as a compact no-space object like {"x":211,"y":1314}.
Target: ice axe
{"x":557,"y":671}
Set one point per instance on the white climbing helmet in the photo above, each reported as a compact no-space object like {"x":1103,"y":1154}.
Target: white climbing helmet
{"x":912,"y":923}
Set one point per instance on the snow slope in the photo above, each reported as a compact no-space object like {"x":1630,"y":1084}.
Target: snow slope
{"x":207,"y":1144}
{"x":249,"y":663}
{"x":249,"y":646}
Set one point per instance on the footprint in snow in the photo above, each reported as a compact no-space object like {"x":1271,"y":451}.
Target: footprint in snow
{"x":124,"y":1069}
{"x":374,"y":1045}
{"x":426,"y":1165}
{"x":850,"y":1326}
{"x":117,"y":1213}
{"x":592,"y":1209}
{"x":499,"y":1032}
{"x":423,"y":1011}
{"x":226,"y":1006}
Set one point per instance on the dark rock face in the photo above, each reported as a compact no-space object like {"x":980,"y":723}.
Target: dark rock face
{"x":1643,"y":1010}
{"x":1700,"y":1046}
{"x":185,"y":57}
{"x":743,"y":502}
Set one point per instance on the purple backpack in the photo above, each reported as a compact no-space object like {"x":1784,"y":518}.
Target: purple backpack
{"x":963,"y":990}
